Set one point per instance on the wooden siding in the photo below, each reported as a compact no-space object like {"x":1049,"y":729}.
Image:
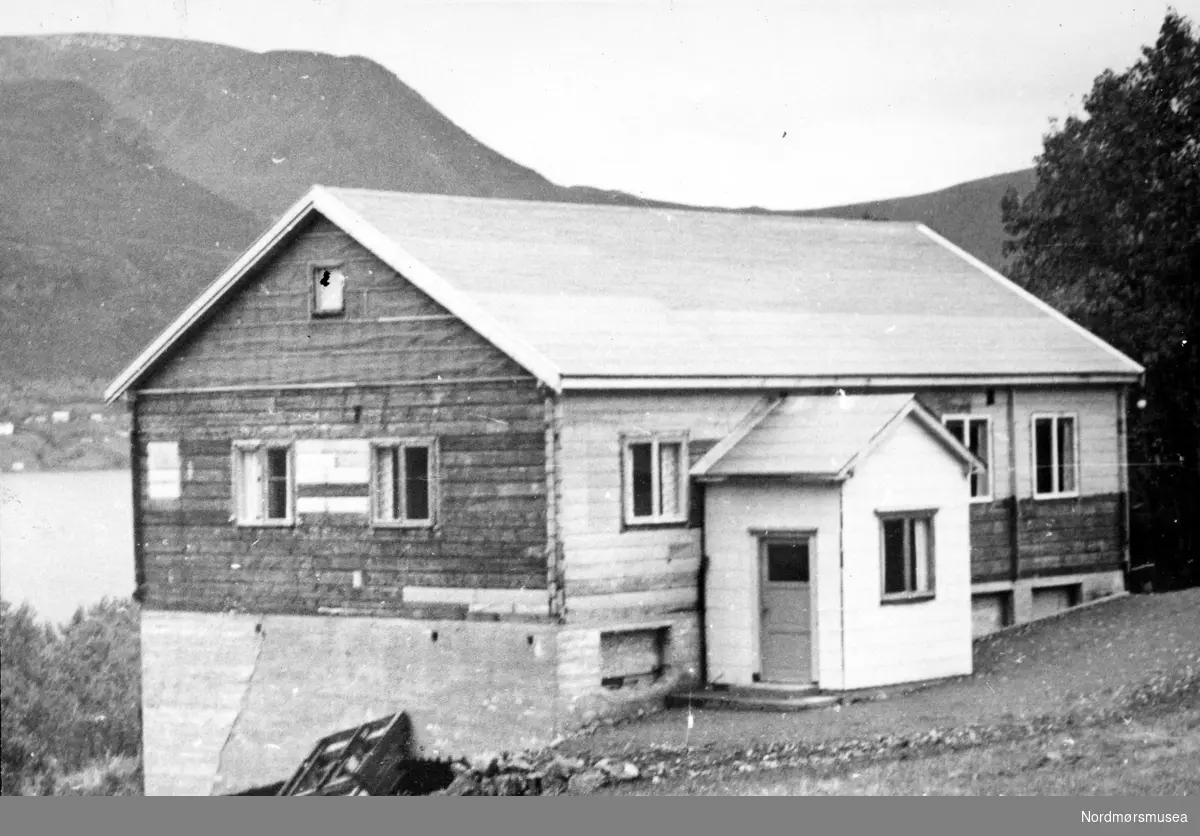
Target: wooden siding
{"x":991,"y":540}
{"x":491,"y":530}
{"x":1069,"y":536}
{"x":732,"y":619}
{"x":389,"y":331}
{"x":887,"y":643}
{"x":422,"y":374}
{"x":613,"y":572}
{"x":1053,"y":536}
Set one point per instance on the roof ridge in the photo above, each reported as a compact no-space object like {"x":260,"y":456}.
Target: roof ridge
{"x":737,"y":211}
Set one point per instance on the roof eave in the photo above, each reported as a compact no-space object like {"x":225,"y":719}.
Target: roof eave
{"x":765,"y":383}
{"x":1134,"y":368}
{"x":204,"y":302}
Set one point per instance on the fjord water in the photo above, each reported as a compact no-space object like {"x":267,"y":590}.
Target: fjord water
{"x":66,"y":539}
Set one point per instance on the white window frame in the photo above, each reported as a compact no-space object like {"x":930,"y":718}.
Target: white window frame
{"x":928,"y":516}
{"x":1055,"y":417}
{"x":377,"y":444}
{"x":260,"y":447}
{"x":655,"y":440}
{"x":315,"y":269}
{"x":163,"y":483}
{"x":967,"y":418}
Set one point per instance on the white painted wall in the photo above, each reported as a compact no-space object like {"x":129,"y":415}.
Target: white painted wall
{"x":1095,"y":412}
{"x":594,"y":545}
{"x":732,"y":589}
{"x":891,"y":643}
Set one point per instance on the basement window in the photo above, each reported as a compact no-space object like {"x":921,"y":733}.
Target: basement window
{"x":403,"y":483}
{"x":907,"y":555}
{"x":328,"y":289}
{"x":632,"y":657}
{"x":654,"y":474}
{"x":264,"y":483}
{"x":162,"y":470}
{"x":975,"y":433}
{"x":1055,"y":456}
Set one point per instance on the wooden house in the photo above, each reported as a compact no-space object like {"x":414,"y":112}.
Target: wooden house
{"x":513,"y":467}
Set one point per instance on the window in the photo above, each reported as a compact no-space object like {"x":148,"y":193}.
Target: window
{"x":907,"y":555}
{"x":402,"y":479}
{"x":328,"y":289}
{"x":787,"y":562}
{"x":162,"y":470}
{"x":655,"y":479}
{"x":1055,"y":456}
{"x":264,"y":487}
{"x":975,"y":433}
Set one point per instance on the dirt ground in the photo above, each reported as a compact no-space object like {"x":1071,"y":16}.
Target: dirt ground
{"x":1080,"y":663}
{"x":1102,"y":700}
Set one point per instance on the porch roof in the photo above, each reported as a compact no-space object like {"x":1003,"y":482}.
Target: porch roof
{"x":819,"y":436}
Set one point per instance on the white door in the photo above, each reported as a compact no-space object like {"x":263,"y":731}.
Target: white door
{"x":785,"y":643}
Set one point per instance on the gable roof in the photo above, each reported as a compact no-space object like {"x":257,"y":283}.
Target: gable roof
{"x":819,"y":436}
{"x":587,"y":295}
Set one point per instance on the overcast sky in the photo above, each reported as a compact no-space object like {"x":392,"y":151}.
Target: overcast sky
{"x":781,"y":104}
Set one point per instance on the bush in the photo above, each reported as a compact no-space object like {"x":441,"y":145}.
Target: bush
{"x":69,"y":698}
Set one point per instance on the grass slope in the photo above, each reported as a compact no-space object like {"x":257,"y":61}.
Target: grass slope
{"x":1099,"y":668}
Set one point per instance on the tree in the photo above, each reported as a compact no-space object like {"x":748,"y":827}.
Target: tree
{"x":1110,"y":235}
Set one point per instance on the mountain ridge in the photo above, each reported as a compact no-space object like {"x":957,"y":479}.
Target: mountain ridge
{"x":138,"y":168}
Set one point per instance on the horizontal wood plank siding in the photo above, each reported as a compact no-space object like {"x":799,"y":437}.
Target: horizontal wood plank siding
{"x":1056,"y":536}
{"x":490,"y":430}
{"x":389,"y":331}
{"x":1070,"y":536}
{"x":991,"y":540}
{"x":492,"y":520}
{"x":618,"y":573}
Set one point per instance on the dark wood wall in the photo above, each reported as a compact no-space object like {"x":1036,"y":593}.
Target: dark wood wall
{"x":389,"y":331}
{"x":1026,"y":537}
{"x":1053,"y":537}
{"x":486,"y":412}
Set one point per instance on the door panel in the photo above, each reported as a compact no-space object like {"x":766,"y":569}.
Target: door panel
{"x":786,"y":634}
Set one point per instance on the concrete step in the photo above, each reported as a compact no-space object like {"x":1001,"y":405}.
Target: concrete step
{"x":770,"y":690}
{"x":741,"y":699}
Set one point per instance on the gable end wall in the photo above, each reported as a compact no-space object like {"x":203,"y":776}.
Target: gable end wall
{"x":420,"y":372}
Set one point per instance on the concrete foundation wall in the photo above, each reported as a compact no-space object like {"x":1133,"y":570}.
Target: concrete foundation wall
{"x":236,"y":701}
{"x":1019,"y":595}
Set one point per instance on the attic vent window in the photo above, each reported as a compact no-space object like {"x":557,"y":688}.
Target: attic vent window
{"x":328,"y":289}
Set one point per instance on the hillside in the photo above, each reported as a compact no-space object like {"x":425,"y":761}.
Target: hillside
{"x":100,"y":242}
{"x":135,"y":169}
{"x":968,"y":214}
{"x":260,"y":128}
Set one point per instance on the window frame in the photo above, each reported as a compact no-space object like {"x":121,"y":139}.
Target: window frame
{"x":314,"y":269}
{"x":404,"y":442}
{"x":928,"y":516}
{"x":967,"y":418}
{"x":261,"y":447}
{"x":655,"y":440}
{"x":1055,"y":418}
